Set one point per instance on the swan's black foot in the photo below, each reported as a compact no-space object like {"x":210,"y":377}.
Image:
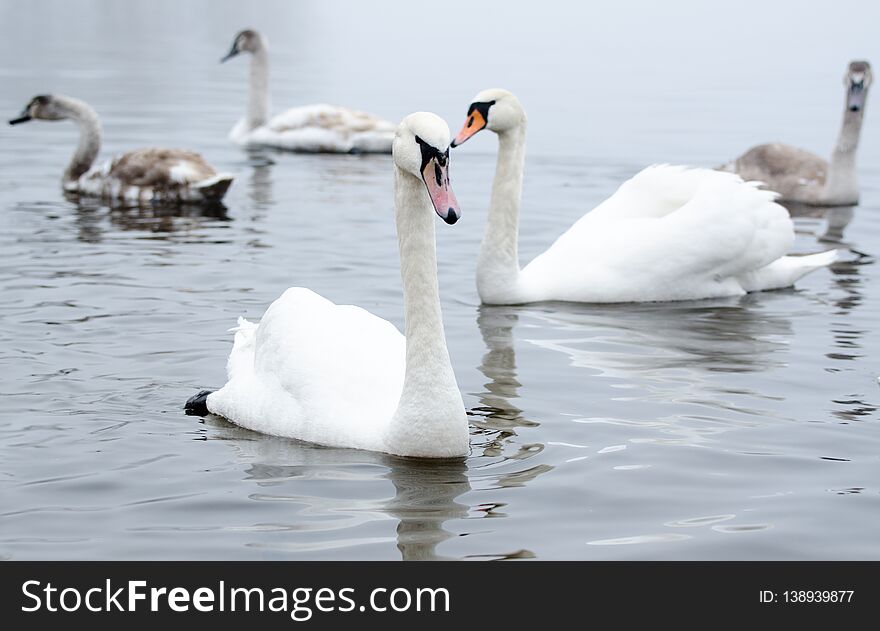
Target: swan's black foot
{"x":197,"y":405}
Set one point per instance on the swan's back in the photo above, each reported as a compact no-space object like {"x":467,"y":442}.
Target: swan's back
{"x":156,"y":174}
{"x":669,"y":233}
{"x":332,"y":118}
{"x":796,"y":174}
{"x":160,"y":167}
{"x":322,"y":128}
{"x":655,"y":191}
{"x":316,"y":371}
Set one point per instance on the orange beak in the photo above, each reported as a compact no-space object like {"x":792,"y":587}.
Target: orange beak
{"x":472,"y":125}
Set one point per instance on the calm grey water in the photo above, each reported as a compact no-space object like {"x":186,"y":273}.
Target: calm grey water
{"x":731,"y":429}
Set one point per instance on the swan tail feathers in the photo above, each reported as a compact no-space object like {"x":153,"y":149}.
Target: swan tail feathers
{"x":242,"y":353}
{"x":243,"y":324}
{"x":241,"y":359}
{"x":785,"y":271}
{"x":215,"y":187}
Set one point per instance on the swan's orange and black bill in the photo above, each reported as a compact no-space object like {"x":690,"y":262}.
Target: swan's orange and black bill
{"x":477,"y":119}
{"x":435,"y":174}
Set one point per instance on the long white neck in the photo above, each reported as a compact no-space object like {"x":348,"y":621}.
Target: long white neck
{"x":842,"y":184}
{"x":89,"y":136}
{"x":430,"y":418}
{"x":258,"y":94}
{"x":498,"y":263}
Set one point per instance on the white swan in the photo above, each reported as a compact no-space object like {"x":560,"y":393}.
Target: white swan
{"x":336,"y":374}
{"x":802,"y":177}
{"x":311,"y":128}
{"x":136,"y":177}
{"x":669,"y":233}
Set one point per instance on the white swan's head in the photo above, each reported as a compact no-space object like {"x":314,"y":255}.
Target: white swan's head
{"x":857,"y":81}
{"x":43,"y":107}
{"x":247,"y":41}
{"x":495,"y":109}
{"x":421,"y":148}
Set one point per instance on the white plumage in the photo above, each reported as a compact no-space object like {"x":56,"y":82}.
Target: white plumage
{"x":340,"y":376}
{"x":671,"y":233}
{"x":313,"y":370}
{"x":668,"y":233}
{"x":319,"y":128}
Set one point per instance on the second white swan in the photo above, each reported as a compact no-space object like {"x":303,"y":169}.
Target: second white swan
{"x":669,"y":233}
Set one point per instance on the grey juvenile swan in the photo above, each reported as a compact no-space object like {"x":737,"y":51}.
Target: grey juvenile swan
{"x":140,"y":176}
{"x":802,"y":177}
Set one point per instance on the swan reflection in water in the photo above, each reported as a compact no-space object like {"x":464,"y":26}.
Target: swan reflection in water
{"x":837,"y":218}
{"x":848,"y":280}
{"x":739,"y":334}
{"x":314,"y":493}
{"x":322,"y":499}
{"x":497,"y":418}
{"x":259,"y":185}
{"x":638,"y":358}
{"x":92,"y":215}
{"x":497,"y":415}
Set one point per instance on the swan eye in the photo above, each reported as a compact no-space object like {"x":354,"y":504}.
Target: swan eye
{"x":429,"y":153}
{"x":481,"y":108}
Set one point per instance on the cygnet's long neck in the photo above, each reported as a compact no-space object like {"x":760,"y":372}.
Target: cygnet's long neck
{"x":89,"y":136}
{"x":258,"y":95}
{"x":842,"y":183}
{"x":430,"y":401}
{"x":498,"y":262}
